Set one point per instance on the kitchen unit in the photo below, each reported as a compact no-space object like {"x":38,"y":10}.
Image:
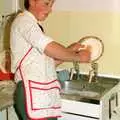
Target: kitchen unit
{"x":80,"y":100}
{"x":99,"y":100}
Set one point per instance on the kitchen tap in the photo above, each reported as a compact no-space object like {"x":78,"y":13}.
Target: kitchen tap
{"x":93,"y":72}
{"x":77,"y":70}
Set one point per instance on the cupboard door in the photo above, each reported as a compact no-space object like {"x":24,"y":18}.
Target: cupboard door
{"x":11,"y":114}
{"x":3,"y":115}
{"x":8,"y":114}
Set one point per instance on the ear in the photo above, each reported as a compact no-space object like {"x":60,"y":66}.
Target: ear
{"x":32,"y":2}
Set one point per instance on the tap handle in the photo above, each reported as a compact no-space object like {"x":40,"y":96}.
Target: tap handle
{"x":71,"y":73}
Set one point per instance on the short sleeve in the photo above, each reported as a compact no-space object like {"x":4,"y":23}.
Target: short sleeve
{"x":34,"y":36}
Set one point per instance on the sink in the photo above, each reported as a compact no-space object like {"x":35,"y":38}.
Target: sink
{"x":83,"y":88}
{"x":84,"y":93}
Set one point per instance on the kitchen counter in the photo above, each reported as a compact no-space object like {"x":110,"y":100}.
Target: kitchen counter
{"x":7,"y":89}
{"x":6,"y":93}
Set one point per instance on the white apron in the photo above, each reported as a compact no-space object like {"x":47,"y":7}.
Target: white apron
{"x":42,"y":98}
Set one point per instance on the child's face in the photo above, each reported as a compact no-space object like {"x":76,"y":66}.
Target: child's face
{"x":42,"y":8}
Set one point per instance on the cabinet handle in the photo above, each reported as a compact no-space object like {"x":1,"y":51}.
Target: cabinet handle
{"x":110,"y":114}
{"x":113,"y":97}
{"x":116,"y":99}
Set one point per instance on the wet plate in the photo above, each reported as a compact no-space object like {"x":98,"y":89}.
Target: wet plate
{"x":96,"y":44}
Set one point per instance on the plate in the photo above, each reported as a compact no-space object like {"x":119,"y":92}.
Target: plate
{"x":96,"y":46}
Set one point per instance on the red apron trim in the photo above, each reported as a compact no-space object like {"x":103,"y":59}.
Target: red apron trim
{"x":43,"y":83}
{"x":45,"y":118}
{"x":33,"y":83}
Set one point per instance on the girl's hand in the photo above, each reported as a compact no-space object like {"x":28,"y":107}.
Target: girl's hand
{"x":75,"y":47}
{"x":85,"y":54}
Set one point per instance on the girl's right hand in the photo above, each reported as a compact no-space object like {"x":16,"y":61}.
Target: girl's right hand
{"x":85,"y":54}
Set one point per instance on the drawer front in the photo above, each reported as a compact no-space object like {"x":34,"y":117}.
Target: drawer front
{"x":81,"y":108}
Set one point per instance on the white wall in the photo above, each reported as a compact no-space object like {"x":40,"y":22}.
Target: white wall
{"x":8,"y":6}
{"x":86,"y":5}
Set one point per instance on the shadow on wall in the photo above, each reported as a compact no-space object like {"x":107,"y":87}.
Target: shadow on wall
{"x":6,"y":31}
{"x":7,"y":22}
{"x":5,"y":60}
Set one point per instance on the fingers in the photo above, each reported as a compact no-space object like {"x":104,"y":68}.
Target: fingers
{"x":84,"y":51}
{"x":85,"y":55}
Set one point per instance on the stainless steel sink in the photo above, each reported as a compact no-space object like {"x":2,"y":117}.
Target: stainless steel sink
{"x":83,"y":89}
{"x":82,"y":86}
